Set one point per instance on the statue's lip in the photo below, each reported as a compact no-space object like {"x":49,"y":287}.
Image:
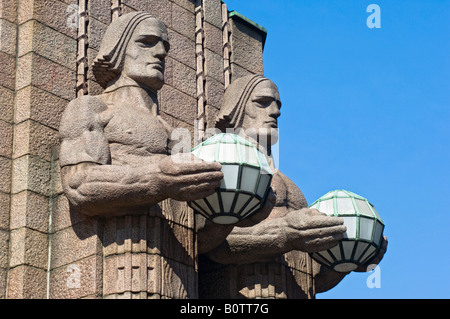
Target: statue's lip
{"x":158,"y":65}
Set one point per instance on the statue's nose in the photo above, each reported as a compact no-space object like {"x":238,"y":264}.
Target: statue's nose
{"x":274,"y":110}
{"x":160,"y":51}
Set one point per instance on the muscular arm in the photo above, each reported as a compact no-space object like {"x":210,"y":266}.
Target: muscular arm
{"x":290,"y":226}
{"x":112,"y":189}
{"x":251,"y":244}
{"x":106,"y":189}
{"x":306,"y":230}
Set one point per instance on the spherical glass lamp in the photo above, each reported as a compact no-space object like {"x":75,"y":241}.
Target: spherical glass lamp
{"x":364,"y":234}
{"x":246,"y":182}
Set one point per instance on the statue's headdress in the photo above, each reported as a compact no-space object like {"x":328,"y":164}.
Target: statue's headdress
{"x":108,"y":63}
{"x":235,"y":99}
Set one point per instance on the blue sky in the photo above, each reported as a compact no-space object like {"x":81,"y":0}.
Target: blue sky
{"x":368,"y":110}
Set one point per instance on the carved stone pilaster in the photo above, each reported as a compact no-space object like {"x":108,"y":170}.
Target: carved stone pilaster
{"x":151,"y":255}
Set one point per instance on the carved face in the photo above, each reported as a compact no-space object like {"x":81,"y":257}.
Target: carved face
{"x":145,"y":54}
{"x":262,"y":111}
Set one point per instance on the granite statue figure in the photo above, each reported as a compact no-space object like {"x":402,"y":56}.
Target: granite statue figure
{"x":285,"y":235}
{"x":115,"y":147}
{"x":117,"y":165}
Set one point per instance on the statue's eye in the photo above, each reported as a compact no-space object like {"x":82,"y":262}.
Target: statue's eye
{"x":147,"y":41}
{"x":263,"y":101}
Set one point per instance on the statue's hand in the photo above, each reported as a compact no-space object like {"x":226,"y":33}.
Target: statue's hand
{"x":185,"y":177}
{"x":309,"y":230}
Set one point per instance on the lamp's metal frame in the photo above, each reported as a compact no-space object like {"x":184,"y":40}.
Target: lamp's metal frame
{"x":263,"y":170}
{"x":328,"y":258}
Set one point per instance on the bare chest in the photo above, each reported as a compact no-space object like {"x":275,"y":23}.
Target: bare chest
{"x":135,"y":132}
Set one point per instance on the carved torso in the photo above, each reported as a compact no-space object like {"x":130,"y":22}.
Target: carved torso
{"x":133,"y":132}
{"x":142,"y":253}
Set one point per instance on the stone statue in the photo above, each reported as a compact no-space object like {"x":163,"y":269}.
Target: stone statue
{"x":115,"y":148}
{"x":266,"y":255}
{"x":116,"y":164}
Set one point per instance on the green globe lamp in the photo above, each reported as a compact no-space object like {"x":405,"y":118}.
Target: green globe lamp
{"x":246,"y":182}
{"x":364,"y":234}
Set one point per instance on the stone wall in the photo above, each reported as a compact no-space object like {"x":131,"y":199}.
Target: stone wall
{"x":38,"y":80}
{"x":45,"y":251}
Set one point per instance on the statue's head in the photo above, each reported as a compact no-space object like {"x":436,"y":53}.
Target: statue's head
{"x":134,"y":46}
{"x":251,"y":103}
